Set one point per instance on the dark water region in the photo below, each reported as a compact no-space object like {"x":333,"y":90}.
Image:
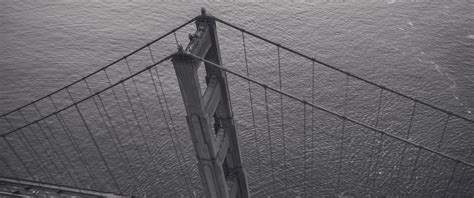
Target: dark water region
{"x":423,"y":49}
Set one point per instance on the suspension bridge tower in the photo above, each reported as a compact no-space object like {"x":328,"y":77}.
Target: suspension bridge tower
{"x":209,"y":115}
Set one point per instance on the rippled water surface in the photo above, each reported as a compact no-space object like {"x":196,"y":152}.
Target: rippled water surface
{"x":424,"y":49}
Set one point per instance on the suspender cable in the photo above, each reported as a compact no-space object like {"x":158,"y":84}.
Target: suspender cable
{"x":430,"y":175}
{"x":167,"y":106}
{"x":188,"y":180}
{"x":141,"y":100}
{"x":25,"y":145}
{"x":127,"y":158}
{"x":54,"y":148}
{"x":19,"y":158}
{"x":411,"y":119}
{"x":33,"y":150}
{"x":114,"y":130}
{"x":77,"y":145}
{"x":175,"y":146}
{"x":401,"y":161}
{"x":333,"y":113}
{"x":312,"y":121}
{"x":111,"y":133}
{"x":119,"y":155}
{"x":342,"y":134}
{"x":339,"y":70}
{"x":304,"y":147}
{"x":105,"y":67}
{"x":59,"y":145}
{"x":71,"y":139}
{"x":381,"y":140}
{"x":462,"y":175}
{"x":269,"y":139}
{"x":98,"y":149}
{"x":140,"y":129}
{"x":341,"y":155}
{"x":282,"y":123}
{"x":378,"y":108}
{"x":413,"y":170}
{"x":444,"y":131}
{"x":90,"y":96}
{"x":137,"y":121}
{"x":176,"y":38}
{"x":259,"y":170}
{"x":451,"y":179}
{"x":66,"y":129}
{"x":9,"y":167}
{"x":50,"y":145}
{"x":137,"y":148}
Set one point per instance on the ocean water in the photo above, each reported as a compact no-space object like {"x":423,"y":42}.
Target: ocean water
{"x":420,"y":48}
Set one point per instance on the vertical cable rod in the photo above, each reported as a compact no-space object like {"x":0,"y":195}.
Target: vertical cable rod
{"x":140,"y":129}
{"x":102,"y":117}
{"x":259,"y":170}
{"x":127,"y":158}
{"x":269,"y":139}
{"x":304,"y":148}
{"x":137,"y":148}
{"x":175,"y":38}
{"x":78,"y":148}
{"x":166,"y":105}
{"x":411,"y":119}
{"x":381,"y":140}
{"x":114,"y":130}
{"x":282,"y":122}
{"x":444,"y":131}
{"x":430,"y":175}
{"x":45,"y":150}
{"x":400,"y":162}
{"x":170,"y":119}
{"x":312,"y":121}
{"x":140,"y":98}
{"x":32,"y":151}
{"x":22,"y":142}
{"x":462,"y":175}
{"x":111,"y":132}
{"x":54,"y":148}
{"x":339,"y":171}
{"x":19,"y":158}
{"x":413,"y":170}
{"x":451,"y":179}
{"x":71,"y":138}
{"x":9,"y":167}
{"x":97,"y":147}
{"x":186,"y":177}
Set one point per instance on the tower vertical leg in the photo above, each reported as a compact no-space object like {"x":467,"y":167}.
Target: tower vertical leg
{"x":218,"y":155}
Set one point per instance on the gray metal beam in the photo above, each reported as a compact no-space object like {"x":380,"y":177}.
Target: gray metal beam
{"x":224,"y":115}
{"x":219,"y":159}
{"x":212,"y":173}
{"x":19,"y":187}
